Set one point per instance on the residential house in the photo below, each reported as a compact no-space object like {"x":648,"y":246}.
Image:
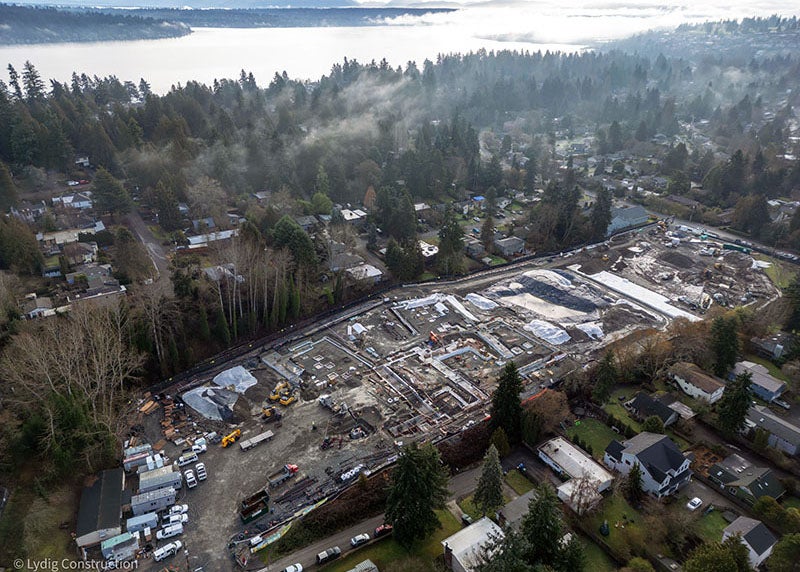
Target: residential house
{"x":782,"y":434}
{"x":364,"y":566}
{"x":664,"y":468}
{"x":740,"y":478}
{"x":509,"y":246}
{"x":100,"y":510}
{"x":764,"y":385}
{"x":341,"y":258}
{"x":80,"y":201}
{"x":695,"y":383}
{"x":755,"y":536}
{"x":355,"y":216}
{"x":623,"y":218}
{"x":473,"y":247}
{"x":586,"y":478}
{"x":183,"y":209}
{"x":365,"y":273}
{"x":463,"y":551}
{"x":28,"y":212}
{"x":772,"y":347}
{"x":643,"y":406}
{"x":307,"y":223}
{"x":262,"y":196}
{"x":38,"y":307}
{"x":83,"y":161}
{"x":202,"y":240}
{"x":204,"y":224}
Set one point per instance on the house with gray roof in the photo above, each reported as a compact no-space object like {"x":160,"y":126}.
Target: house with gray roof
{"x":764,"y":385}
{"x":755,"y":536}
{"x":626,"y":217}
{"x":665,"y":469}
{"x":696,"y":383}
{"x":782,"y":434}
{"x":740,"y":478}
{"x":643,"y":406}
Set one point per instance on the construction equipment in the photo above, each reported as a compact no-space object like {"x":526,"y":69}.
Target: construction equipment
{"x":231,"y":437}
{"x":279,"y":391}
{"x":433,"y":339}
{"x":270,"y":414}
{"x":328,"y":402}
{"x":254,"y":506}
{"x":282,"y":475}
{"x":287,"y":400}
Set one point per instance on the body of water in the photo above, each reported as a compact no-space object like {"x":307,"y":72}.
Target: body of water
{"x":209,"y":53}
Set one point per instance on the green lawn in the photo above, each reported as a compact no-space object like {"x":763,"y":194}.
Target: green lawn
{"x":518,"y":482}
{"x":497,"y":260}
{"x":620,"y":516}
{"x":774,"y":370}
{"x":709,"y":526}
{"x":427,"y":276}
{"x":596,"y":558}
{"x":595,"y":433}
{"x":387,"y":551}
{"x":780,"y":274}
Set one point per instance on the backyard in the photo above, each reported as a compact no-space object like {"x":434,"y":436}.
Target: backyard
{"x":710,"y":526}
{"x":594,"y":433}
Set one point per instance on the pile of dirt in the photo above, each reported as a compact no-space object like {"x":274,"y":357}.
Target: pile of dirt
{"x":620,"y":316}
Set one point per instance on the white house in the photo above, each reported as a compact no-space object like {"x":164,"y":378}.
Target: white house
{"x":587,"y":478}
{"x":463,"y":551}
{"x":365,"y":272}
{"x":664,"y":468}
{"x":755,"y":536}
{"x":80,"y":201}
{"x":694,"y":382}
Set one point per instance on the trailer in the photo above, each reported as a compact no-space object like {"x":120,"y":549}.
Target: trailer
{"x":737,"y":247}
{"x":153,"y":501}
{"x":137,"y":523}
{"x":255,"y":511}
{"x":257,"y":440}
{"x":162,"y":478}
{"x":253,"y":500}
{"x":282,"y":475}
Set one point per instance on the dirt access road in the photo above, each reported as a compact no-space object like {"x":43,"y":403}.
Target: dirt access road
{"x":155,"y":250}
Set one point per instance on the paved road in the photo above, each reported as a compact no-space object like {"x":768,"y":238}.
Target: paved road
{"x":460,"y":485}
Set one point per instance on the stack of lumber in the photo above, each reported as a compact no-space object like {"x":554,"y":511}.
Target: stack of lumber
{"x":149,"y":406}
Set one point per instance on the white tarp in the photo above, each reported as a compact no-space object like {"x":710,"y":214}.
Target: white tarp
{"x":211,"y":402}
{"x":641,"y":294}
{"x":238,"y":377}
{"x":481,"y":302}
{"x":547,"y":331}
{"x":592,"y":329}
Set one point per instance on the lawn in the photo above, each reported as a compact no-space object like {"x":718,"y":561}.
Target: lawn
{"x":497,"y":260}
{"x":774,"y":370}
{"x":620,"y":516}
{"x":468,"y":506}
{"x":427,"y":276}
{"x":595,"y":433}
{"x":388,"y":550}
{"x":615,"y":408}
{"x":709,"y":526}
{"x":596,"y":558}
{"x":518,"y":482}
{"x":779,"y":273}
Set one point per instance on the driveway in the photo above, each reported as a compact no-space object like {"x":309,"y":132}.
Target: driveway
{"x":154,"y":248}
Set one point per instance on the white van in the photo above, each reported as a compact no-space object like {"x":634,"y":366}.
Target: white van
{"x":187,"y":459}
{"x":169,"y":531}
{"x":167,"y":550}
{"x":176,"y":519}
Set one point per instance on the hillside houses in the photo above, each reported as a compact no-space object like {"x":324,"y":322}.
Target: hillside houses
{"x":664,"y":468}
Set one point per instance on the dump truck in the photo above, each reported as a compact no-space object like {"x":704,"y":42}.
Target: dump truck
{"x":257,"y":440}
{"x":282,"y":475}
{"x":231,"y":437}
{"x":254,"y":506}
{"x":270,"y":414}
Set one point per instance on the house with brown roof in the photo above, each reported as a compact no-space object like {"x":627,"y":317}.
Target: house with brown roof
{"x":696,"y":383}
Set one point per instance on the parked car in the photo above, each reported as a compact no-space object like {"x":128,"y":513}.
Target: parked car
{"x":191,"y":481}
{"x":177,"y":519}
{"x":694,"y":504}
{"x":382,"y":530}
{"x":359,"y":540}
{"x":169,"y":531}
{"x":200,"y":468}
{"x":199,"y":448}
{"x":167,"y":550}
{"x":187,"y":459}
{"x":466,"y":519}
{"x":178,"y":509}
{"x":328,"y":555}
{"x":293,"y":568}
{"x":781,"y":403}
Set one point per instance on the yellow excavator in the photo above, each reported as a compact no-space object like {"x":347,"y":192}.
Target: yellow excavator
{"x":287,"y":399}
{"x":231,"y":437}
{"x":276,"y":393}
{"x":270,"y":414}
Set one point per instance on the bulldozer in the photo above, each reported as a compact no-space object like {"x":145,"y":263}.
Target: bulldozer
{"x":231,"y":437}
{"x":270,"y":414}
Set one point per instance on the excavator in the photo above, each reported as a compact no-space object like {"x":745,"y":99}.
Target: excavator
{"x":231,"y":437}
{"x":277,"y":392}
{"x":271,"y":414}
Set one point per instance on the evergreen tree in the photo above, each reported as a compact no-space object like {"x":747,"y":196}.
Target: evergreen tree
{"x":792,"y":294}
{"x":451,"y":245}
{"x":605,"y":376}
{"x":487,"y":234}
{"x":653,"y":424}
{"x":506,"y":555}
{"x":321,"y":204}
{"x":222,"y":331}
{"x":32,"y":81}
{"x":169,"y":216}
{"x":728,"y":556}
{"x":786,"y":554}
{"x":8,"y":190}
{"x":734,"y":404}
{"x":109,"y":194}
{"x":204,"y":329}
{"x":601,"y":214}
{"x":506,"y":406}
{"x":488,"y":495}
{"x":633,"y":484}
{"x":418,"y":488}
{"x":724,"y":344}
{"x":499,"y":440}
{"x":543,"y":529}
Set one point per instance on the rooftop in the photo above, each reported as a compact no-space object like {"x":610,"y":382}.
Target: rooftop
{"x":101,"y":502}
{"x":761,"y":376}
{"x":467,"y":543}
{"x":573,"y":460}
{"x":754,"y":532}
{"x":697,"y":377}
{"x":761,"y":416}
